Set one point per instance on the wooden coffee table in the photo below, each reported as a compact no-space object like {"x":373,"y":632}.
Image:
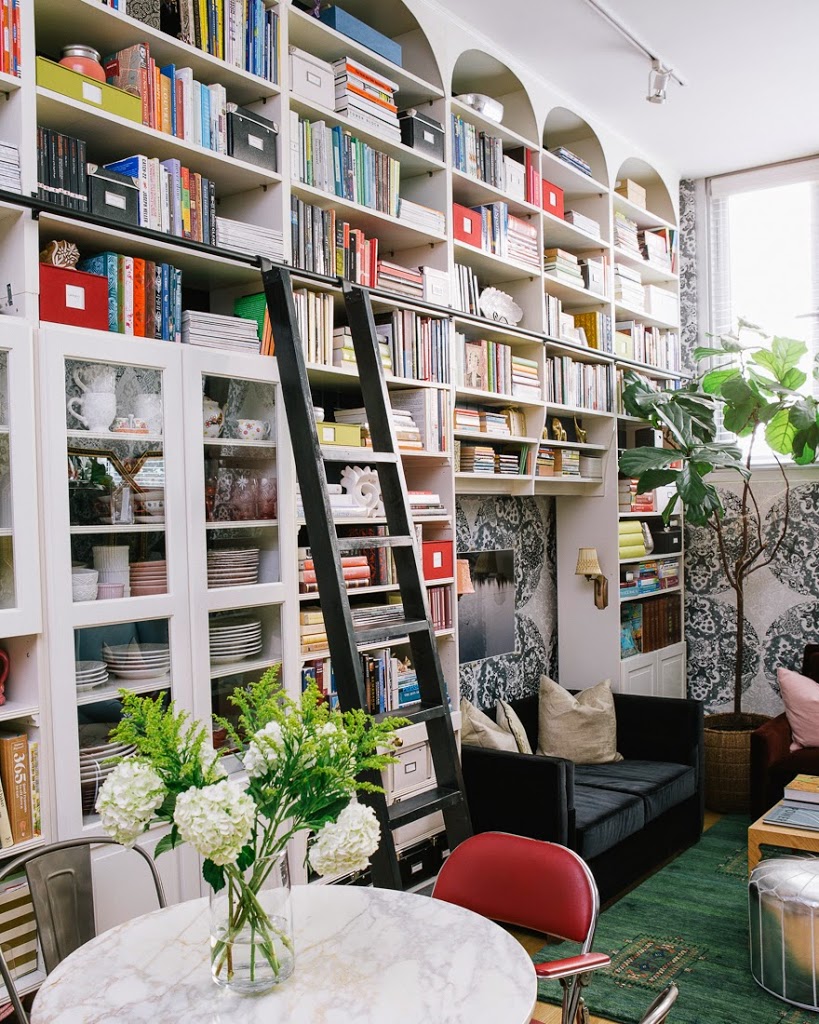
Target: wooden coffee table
{"x":760,"y":834}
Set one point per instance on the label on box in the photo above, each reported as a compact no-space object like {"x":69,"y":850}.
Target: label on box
{"x":467,"y":226}
{"x":328,"y":433}
{"x":92,"y":93}
{"x":312,"y":79}
{"x":112,"y":199}
{"x":74,"y":296}
{"x":255,"y":142}
{"x":430,"y":138}
{"x":437,"y":559}
{"x":553,"y":199}
{"x":410,"y":767}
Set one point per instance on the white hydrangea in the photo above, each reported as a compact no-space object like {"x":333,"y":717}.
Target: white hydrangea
{"x":347,"y":844}
{"x":263,"y":750}
{"x":216,"y":820}
{"x":211,"y":762}
{"x":128,"y":799}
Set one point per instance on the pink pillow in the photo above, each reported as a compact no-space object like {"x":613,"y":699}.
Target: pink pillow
{"x":801,"y":697}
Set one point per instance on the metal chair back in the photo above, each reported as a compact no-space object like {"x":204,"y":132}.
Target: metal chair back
{"x":659,"y":1009}
{"x":62,"y":894}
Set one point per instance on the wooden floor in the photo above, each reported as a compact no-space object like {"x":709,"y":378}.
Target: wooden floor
{"x":551,"y":1014}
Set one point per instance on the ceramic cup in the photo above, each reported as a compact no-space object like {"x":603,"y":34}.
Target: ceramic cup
{"x":96,"y":377}
{"x":213,"y":419}
{"x":84,"y":584}
{"x":149,"y":408}
{"x":111,"y":556}
{"x":106,"y":591}
{"x":98,"y":409}
{"x":253,"y":430}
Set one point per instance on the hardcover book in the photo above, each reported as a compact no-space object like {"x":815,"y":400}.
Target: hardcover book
{"x":15,"y":776}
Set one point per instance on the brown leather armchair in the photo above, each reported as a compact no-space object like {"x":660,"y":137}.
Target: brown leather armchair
{"x":773,"y":765}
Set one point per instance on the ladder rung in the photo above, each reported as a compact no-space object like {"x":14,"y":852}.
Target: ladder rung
{"x":353,"y":543}
{"x":389,"y":631}
{"x":361,"y":456}
{"x":415,"y":713}
{"x":404,"y":811}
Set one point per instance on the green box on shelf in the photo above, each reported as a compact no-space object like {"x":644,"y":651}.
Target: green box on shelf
{"x":251,"y":307}
{"x":87,"y":90}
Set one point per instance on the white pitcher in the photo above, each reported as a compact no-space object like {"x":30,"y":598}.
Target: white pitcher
{"x":98,"y":409}
{"x":96,"y":377}
{"x":149,"y":408}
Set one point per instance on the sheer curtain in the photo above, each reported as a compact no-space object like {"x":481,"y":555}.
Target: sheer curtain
{"x":763,"y":234}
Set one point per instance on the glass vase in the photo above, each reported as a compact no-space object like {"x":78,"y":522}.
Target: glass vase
{"x":251,"y":927}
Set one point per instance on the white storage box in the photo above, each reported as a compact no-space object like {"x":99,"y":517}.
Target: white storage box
{"x":311,"y":78}
{"x":661,"y":303}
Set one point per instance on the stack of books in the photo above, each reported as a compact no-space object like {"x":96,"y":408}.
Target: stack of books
{"x":344,"y":351}
{"x":366,"y":98}
{"x":625,"y":234}
{"x":392,"y":277}
{"x":419,"y":345}
{"x":466,"y":290}
{"x":526,"y":378}
{"x":476,"y":458}
{"x":569,"y":462}
{"x":521,"y":241}
{"x":211,"y":330}
{"x":800,"y":806}
{"x":507,"y":236}
{"x":144,"y":298}
{"x":250,"y":239}
{"x":246,"y":37}
{"x":425,"y":505}
{"x":494,"y":422}
{"x":407,"y":433}
{"x":626,"y":490}
{"x":344,"y":506}
{"x":545,"y":464}
{"x":630,"y":190}
{"x":422,"y":217}
{"x":628,"y":286}
{"x":61,"y":170}
{"x":325,"y":245}
{"x":467,"y":418}
{"x":563,"y":266}
{"x":355,"y":569}
{"x":477,"y":153}
{"x":655,"y":249}
{"x":591,"y":467}
{"x":630,"y":536}
{"x":572,"y":159}
{"x":508,"y":463}
{"x":582,"y":222}
{"x":10,"y":168}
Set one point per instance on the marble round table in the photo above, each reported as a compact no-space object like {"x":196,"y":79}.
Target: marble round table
{"x":363,"y":956}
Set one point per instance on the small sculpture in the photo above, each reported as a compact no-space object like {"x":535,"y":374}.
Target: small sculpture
{"x":365,"y":489}
{"x":61,"y":254}
{"x":558,"y":430}
{"x":500,"y":306}
{"x":580,"y":433}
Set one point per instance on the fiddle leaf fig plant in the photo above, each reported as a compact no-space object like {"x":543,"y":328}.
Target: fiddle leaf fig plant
{"x":756,"y":388}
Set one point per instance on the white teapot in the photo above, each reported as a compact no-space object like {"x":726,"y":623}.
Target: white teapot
{"x":213,"y":418}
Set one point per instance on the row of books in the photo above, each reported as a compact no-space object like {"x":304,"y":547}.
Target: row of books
{"x":466,"y":290}
{"x":495,"y":422}
{"x":477,"y":153}
{"x":367,"y":97}
{"x":213,"y":330}
{"x":496,"y":367}
{"x":144,"y":298}
{"x":314,"y":635}
{"x":11,"y":62}
{"x":574,"y":383}
{"x":344,"y":355}
{"x":567,"y":462}
{"x":490,"y":461}
{"x":650,"y":625}
{"x":172,"y":198}
{"x":325,"y":244}
{"x":440,"y":606}
{"x":332,"y":159}
{"x":649,"y":577}
{"x":173,"y":101}
{"x":507,"y":236}
{"x":19,"y":788}
{"x":426,"y":505}
{"x":628,"y":500}
{"x":419,"y":416}
{"x":244,"y":35}
{"x":597,"y":328}
{"x":390,"y":683}
{"x":418,"y":345}
{"x":653,"y":345}
{"x":320,"y":672}
{"x":62,"y":176}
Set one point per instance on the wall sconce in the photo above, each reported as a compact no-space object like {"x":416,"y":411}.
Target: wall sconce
{"x":588,"y":565}
{"x":464,"y":579}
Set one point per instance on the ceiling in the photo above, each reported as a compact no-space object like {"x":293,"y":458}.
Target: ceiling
{"x":751,"y":71}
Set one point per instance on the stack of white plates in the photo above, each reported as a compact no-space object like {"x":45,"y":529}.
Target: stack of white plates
{"x":97,"y":760}
{"x":234,"y":638}
{"x":233,"y":567}
{"x":137,"y":660}
{"x":90,"y":674}
{"x":149,"y":578}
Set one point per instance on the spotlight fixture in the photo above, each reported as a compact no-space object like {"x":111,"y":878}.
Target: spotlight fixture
{"x":658,"y":79}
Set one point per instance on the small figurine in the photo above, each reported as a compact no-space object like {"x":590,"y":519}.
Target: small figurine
{"x":580,"y":432}
{"x":558,"y":430}
{"x":61,"y":254}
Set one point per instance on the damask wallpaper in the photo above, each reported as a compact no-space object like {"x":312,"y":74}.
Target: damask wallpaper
{"x":527,"y":526}
{"x":781,"y":602}
{"x":689,"y":298}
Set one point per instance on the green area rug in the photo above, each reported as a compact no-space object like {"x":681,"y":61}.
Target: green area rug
{"x":687,"y":924}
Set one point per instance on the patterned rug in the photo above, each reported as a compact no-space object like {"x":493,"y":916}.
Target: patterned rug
{"x":687,"y":924}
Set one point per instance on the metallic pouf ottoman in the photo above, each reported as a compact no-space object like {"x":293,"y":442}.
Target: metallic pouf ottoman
{"x":783,"y":903}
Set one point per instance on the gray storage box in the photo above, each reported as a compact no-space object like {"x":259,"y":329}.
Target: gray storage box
{"x":113,"y":195}
{"x":421,"y":132}
{"x":252,"y":138}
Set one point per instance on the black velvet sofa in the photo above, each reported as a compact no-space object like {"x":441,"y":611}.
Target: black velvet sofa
{"x":625,"y":818}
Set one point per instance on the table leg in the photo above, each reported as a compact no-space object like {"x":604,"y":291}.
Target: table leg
{"x":754,"y":854}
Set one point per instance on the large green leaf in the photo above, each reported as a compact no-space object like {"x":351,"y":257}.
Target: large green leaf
{"x":712,"y":382}
{"x":793,"y":379}
{"x":636,"y":461}
{"x":214,"y":875}
{"x":707,"y":352}
{"x":804,"y":414}
{"x":780,"y":432}
{"x":701,"y":499}
{"x":652,"y":478}
{"x":788,"y":351}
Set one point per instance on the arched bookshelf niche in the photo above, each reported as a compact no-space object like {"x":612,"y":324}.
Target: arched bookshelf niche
{"x":659,"y":205}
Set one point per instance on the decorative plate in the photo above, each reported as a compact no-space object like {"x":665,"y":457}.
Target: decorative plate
{"x":498,"y":305}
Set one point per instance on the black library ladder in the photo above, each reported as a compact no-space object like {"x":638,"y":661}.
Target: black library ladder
{"x":327,"y":547}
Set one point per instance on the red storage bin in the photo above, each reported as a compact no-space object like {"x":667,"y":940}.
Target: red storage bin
{"x":552,"y":199}
{"x":466,"y":225}
{"x":73,"y":297}
{"x":437,"y":559}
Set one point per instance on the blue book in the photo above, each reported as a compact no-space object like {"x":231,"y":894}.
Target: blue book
{"x":165,"y":293}
{"x":105,"y":264}
{"x":169,"y":71}
{"x":338,"y":178}
{"x":136,"y":167}
{"x":206,"y":140}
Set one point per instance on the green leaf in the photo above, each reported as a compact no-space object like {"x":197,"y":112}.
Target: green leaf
{"x":707,"y":352}
{"x":804,"y":414}
{"x":788,"y":351}
{"x":712,"y":382}
{"x":730,"y":343}
{"x":794,"y":379}
{"x":636,"y":461}
{"x":167,"y":842}
{"x":214,"y":875}
{"x":690,"y":485}
{"x":652,"y":478}
{"x":246,"y":857}
{"x":780,"y":432}
{"x":805,"y":445}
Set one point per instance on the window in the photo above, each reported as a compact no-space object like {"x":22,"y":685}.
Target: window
{"x":764,"y":257}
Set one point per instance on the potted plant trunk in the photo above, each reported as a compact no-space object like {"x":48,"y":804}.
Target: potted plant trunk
{"x":756,"y":388}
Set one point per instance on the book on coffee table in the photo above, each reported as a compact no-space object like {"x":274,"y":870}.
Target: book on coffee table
{"x":804,"y":788}
{"x":793,"y":817}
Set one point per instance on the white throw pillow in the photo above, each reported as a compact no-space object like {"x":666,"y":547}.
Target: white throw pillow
{"x":509,"y":721}
{"x":582,"y":729}
{"x":478,"y":730}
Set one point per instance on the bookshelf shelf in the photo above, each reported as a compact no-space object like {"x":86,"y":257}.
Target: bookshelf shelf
{"x":643,"y":218}
{"x":492,"y":398}
{"x":649,"y":272}
{"x":8,"y":83}
{"x":577,"y":410}
{"x":478,"y":327}
{"x":117,"y":437}
{"x":650,"y":593}
{"x":250,"y":665}
{"x":493,"y":269}
{"x":108,"y":30}
{"x":106,"y":693}
{"x":110,"y":138}
{"x":251,"y":596}
{"x":580,"y":353}
{"x":575,"y":184}
{"x":470,"y":191}
{"x":509,"y":137}
{"x":243,"y":524}
{"x":658,"y":372}
{"x":625,"y":313}
{"x":475,"y":435}
{"x":574,"y":295}
{"x":565,"y":484}
{"x":648,"y":558}
{"x":356,"y":591}
{"x":560,"y":234}
{"x":158,"y":527}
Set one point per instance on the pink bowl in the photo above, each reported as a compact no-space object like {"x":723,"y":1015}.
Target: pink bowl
{"x":106,"y":591}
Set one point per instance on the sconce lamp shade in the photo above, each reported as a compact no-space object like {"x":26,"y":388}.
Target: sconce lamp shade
{"x":464,"y":580}
{"x":588,"y":563}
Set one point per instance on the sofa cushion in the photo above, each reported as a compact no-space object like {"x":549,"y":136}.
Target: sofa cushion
{"x":508,"y":721}
{"x":603,"y":818}
{"x":478,"y":730}
{"x":580,"y":728}
{"x":801,"y":698}
{"x":659,"y":784}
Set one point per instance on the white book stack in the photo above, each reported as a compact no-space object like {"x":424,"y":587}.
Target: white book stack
{"x":212,"y":330}
{"x":366,"y":98}
{"x":628,"y":286}
{"x":251,"y":239}
{"x":10,"y":168}
{"x":582,"y":222}
{"x":421,"y":216}
{"x":344,"y":506}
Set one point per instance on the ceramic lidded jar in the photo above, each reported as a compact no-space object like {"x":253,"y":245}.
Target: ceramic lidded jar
{"x":213,"y":418}
{"x":83,"y":59}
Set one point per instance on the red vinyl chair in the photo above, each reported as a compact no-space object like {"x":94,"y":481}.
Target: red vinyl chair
{"x":535,"y":885}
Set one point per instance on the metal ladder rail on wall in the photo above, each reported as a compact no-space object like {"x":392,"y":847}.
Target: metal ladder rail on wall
{"x":327,"y":548}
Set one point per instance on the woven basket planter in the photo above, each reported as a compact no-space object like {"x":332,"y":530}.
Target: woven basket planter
{"x":728,"y":761}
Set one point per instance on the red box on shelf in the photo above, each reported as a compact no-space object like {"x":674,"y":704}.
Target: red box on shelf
{"x":552,"y":199}
{"x":466,"y":225}
{"x":437,"y":559}
{"x":73,"y":297}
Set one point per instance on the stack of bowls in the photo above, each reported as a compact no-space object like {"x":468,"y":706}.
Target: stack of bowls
{"x":234,"y":638}
{"x":137,"y":661}
{"x":98,"y":758}
{"x":90,"y":674}
{"x":149,"y":578}
{"x":111,"y":560}
{"x":84,"y":584}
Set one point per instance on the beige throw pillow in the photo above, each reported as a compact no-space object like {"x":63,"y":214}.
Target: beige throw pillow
{"x":582,"y":729}
{"x":508,"y":721}
{"x":478,"y":730}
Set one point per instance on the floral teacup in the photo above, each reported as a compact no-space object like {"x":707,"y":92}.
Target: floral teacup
{"x":253,"y":430}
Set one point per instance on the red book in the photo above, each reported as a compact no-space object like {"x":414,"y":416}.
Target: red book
{"x":196,"y":206}
{"x":139,"y":297}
